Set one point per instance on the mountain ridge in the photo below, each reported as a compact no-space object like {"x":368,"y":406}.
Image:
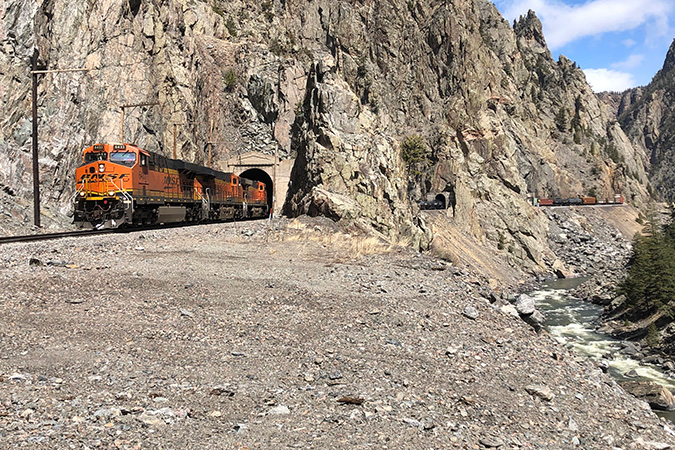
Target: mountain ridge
{"x":648,"y":117}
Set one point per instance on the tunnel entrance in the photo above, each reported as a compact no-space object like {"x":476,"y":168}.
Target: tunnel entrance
{"x":440,"y":198}
{"x":262,"y":176}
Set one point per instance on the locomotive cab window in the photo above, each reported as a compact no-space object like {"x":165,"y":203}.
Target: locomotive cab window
{"x":124,"y":158}
{"x":95,"y":156}
{"x":144,"y":160}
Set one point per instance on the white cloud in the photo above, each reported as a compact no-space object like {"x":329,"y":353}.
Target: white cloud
{"x":633,"y":61}
{"x":628,"y":43}
{"x":659,"y":29}
{"x":602,"y":80}
{"x":564,"y":23}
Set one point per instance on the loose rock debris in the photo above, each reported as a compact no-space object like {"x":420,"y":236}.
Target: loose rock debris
{"x":282,"y":342}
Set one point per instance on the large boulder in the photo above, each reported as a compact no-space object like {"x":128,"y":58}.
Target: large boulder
{"x":535,"y":320}
{"x":656,"y":395}
{"x":525,"y":305}
{"x":526,"y":308}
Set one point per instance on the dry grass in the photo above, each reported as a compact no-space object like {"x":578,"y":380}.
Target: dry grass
{"x":347,"y":245}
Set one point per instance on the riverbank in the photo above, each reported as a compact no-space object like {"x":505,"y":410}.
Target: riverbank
{"x":597,"y":244}
{"x":594,"y":243}
{"x":284,"y":334}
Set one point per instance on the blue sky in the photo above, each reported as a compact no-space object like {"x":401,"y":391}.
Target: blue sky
{"x":618,"y":43}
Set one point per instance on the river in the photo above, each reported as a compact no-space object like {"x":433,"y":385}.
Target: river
{"x":572,"y":323}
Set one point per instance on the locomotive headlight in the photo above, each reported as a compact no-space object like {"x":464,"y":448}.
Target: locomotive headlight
{"x":82,"y":194}
{"x":111,"y":193}
{"x":101,"y":167}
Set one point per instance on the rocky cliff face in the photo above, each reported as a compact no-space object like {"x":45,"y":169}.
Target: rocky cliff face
{"x":500,"y":118}
{"x":178,"y":54}
{"x":339,"y":84}
{"x":648,"y":117}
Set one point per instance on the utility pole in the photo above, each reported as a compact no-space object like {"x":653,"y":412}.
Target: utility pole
{"x":36,"y":166}
{"x":124,"y":107}
{"x":175,"y":140}
{"x":210,"y":143}
{"x":175,"y":136}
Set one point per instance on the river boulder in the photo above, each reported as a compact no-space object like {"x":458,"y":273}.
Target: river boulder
{"x":525,"y":305}
{"x":604,"y":365}
{"x":631,"y":349}
{"x":656,"y":395}
{"x":616,"y":303}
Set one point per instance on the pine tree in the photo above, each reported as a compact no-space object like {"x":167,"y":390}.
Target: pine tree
{"x":650,"y":284}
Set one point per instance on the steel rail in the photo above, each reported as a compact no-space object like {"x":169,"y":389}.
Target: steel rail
{"x":124,"y":230}
{"x":51,"y":236}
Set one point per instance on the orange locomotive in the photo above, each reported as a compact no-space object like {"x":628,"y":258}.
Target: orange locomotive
{"x":123,"y":185}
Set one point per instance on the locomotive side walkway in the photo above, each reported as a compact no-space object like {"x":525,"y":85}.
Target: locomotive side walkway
{"x":275,"y":335}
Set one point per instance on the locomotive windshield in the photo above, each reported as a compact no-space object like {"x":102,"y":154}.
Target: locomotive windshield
{"x":124,"y":158}
{"x":95,"y":156}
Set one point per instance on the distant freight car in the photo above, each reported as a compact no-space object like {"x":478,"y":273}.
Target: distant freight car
{"x":123,"y":185}
{"x":576,"y":201}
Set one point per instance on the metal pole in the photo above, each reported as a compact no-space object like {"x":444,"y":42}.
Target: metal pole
{"x":210,"y":143}
{"x":43,"y":72}
{"x":175,"y":138}
{"x":122,"y":127}
{"x":36,"y":168}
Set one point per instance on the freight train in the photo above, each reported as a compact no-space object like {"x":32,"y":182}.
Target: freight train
{"x":121,"y":185}
{"x":578,"y":201}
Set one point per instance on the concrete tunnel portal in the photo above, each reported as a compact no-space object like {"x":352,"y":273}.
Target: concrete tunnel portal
{"x":268,"y":169}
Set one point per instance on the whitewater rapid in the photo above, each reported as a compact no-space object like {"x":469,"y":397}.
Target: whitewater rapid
{"x":572,"y":322}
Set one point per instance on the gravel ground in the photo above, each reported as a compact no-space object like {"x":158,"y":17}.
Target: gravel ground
{"x":283,"y":335}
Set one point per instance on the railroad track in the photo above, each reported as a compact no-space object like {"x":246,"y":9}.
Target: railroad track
{"x":50,"y":236}
{"x":82,"y":233}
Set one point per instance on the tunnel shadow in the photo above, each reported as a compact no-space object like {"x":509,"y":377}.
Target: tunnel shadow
{"x":263,"y":177}
{"x":440,"y":199}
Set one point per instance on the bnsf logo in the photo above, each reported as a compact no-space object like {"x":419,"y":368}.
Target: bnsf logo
{"x":170,"y":180}
{"x":103,"y":177}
